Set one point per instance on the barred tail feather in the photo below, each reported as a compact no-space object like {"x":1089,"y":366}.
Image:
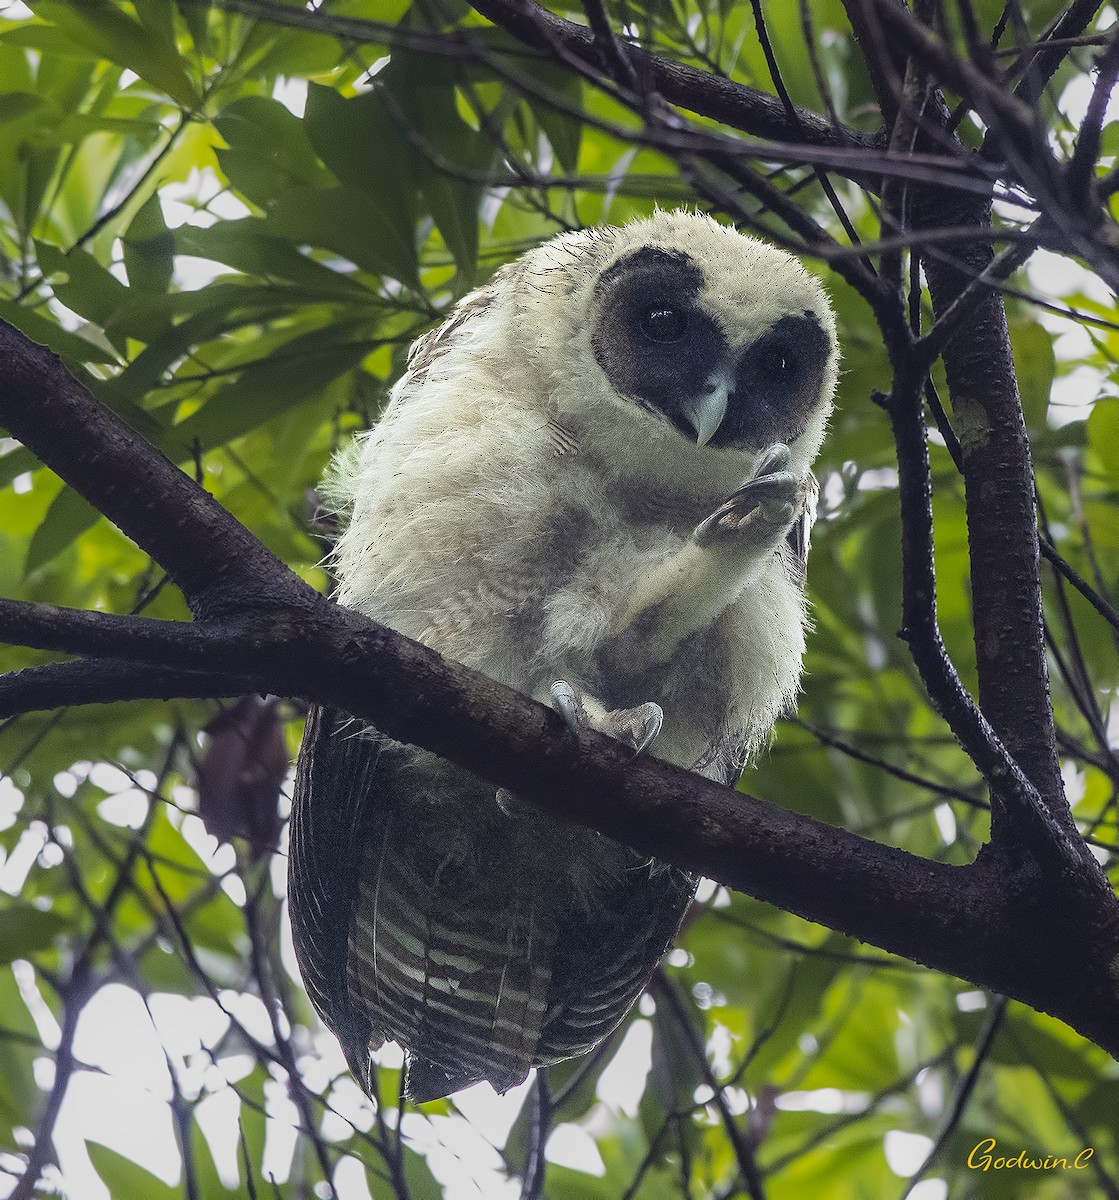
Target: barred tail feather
{"x":463,"y":986}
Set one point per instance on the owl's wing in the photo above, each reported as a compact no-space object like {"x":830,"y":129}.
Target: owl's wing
{"x":339,"y":771}
{"x":801,"y":531}
{"x":604,"y":960}
{"x":399,"y":937}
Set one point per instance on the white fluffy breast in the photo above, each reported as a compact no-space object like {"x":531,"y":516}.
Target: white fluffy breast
{"x":504,"y":505}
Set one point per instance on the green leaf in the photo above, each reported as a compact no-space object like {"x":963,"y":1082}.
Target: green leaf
{"x":296,"y":54}
{"x":15,"y":463}
{"x":24,"y":930}
{"x":1103,"y":435}
{"x":450,"y":156}
{"x":46,"y":332}
{"x":104,"y":29}
{"x":813,"y":977}
{"x":14,"y":105}
{"x":29,"y":162}
{"x":1036,"y":366}
{"x":269,"y":151}
{"x":196,"y":16}
{"x":124,"y":1178}
{"x":264,"y":390}
{"x":227,"y":307}
{"x":68,"y":517}
{"x":1109,"y":140}
{"x":149,"y":248}
{"x":564,"y":131}
{"x":47,"y":39}
{"x":81,"y":282}
{"x":15,"y":68}
{"x":341,"y":219}
{"x":248,"y":246}
{"x":158,"y":18}
{"x":420,"y":1182}
{"x":362,"y":144}
{"x":575,"y":1185}
{"x":17,"y":1078}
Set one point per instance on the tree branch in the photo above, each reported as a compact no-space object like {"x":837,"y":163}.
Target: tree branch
{"x":270,"y":638}
{"x":743,"y":108}
{"x":107,"y":681}
{"x":134,"y":485}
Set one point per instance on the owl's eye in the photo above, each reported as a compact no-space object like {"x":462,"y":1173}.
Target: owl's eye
{"x":773,"y":362}
{"x":664,"y":323}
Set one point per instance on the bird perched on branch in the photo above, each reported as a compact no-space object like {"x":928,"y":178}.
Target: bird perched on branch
{"x":592,"y":484}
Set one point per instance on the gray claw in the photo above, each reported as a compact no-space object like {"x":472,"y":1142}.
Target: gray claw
{"x":774,"y":493}
{"x":653,"y":723}
{"x":569,"y":706}
{"x":766,"y":487}
{"x":507,"y":802}
{"x":775,"y":458}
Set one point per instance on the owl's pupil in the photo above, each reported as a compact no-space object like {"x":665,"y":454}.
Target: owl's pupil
{"x":774,"y":361}
{"x":664,"y":324}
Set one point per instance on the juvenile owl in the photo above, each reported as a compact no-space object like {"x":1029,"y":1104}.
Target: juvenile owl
{"x":592,"y":484}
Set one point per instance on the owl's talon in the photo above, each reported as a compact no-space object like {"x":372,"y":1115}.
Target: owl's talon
{"x":775,"y":458}
{"x":762,"y":489}
{"x":637,"y":727}
{"x":654,"y":722}
{"x":772,"y":492}
{"x":569,"y":706}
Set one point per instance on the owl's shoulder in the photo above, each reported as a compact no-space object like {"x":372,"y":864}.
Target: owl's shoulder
{"x":463,"y":322}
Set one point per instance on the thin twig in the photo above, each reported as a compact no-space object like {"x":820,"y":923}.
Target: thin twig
{"x":963,"y":1093}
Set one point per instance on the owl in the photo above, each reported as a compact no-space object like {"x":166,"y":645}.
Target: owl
{"x":593,"y":485}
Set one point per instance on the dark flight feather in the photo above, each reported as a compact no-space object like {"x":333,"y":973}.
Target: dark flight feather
{"x":479,"y":981}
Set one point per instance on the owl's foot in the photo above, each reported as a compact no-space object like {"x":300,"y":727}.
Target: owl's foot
{"x":767,"y":502}
{"x":637,"y":727}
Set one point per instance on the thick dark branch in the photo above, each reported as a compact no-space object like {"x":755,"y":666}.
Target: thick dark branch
{"x":77,"y":631}
{"x":133,"y":484}
{"x":1002,"y":527}
{"x":334,"y":655}
{"x":1056,"y":843}
{"x":951,"y":918}
{"x":106,"y":681}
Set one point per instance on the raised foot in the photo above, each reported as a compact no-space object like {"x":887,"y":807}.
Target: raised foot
{"x":637,"y":727}
{"x":769,"y":499}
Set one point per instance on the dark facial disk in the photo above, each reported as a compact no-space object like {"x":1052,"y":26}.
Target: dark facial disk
{"x":776,"y":384}
{"x":653,"y":342}
{"x":659,"y":348}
